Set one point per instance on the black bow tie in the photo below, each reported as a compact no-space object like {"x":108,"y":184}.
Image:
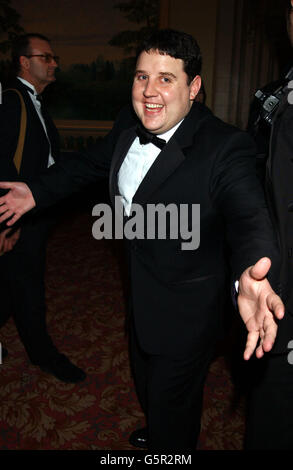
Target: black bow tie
{"x":38,"y":97}
{"x":146,"y":137}
{"x":28,"y":88}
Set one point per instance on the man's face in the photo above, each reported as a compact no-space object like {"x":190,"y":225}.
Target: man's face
{"x":161,"y":96}
{"x":35,"y":69}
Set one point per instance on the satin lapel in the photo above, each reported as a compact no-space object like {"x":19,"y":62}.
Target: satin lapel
{"x":168,"y":160}
{"x":172,"y":155}
{"x":165,"y":164}
{"x":274,"y":135}
{"x":123,"y":145}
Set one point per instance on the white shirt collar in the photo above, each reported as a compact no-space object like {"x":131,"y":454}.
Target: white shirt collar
{"x":167,"y":135}
{"x":25,"y":82}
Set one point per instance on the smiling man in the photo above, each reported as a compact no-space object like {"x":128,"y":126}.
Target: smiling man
{"x":169,"y":149}
{"x":22,"y":266}
{"x":162,"y":94}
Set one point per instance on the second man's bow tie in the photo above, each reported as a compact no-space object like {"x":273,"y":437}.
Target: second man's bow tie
{"x":146,"y":137}
{"x":38,"y":97}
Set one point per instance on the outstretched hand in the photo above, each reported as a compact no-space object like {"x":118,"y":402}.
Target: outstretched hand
{"x":16,"y":202}
{"x":259,"y":307}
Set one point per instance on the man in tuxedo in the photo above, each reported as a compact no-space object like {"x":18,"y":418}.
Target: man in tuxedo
{"x":22,"y":267}
{"x":270,"y":416}
{"x":168,"y":149}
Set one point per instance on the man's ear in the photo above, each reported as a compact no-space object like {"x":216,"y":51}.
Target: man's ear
{"x":195,"y":86}
{"x":24,"y":62}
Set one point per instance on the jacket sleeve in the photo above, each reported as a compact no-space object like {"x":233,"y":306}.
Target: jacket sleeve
{"x":10,"y":111}
{"x":71,"y":174}
{"x":239,"y":196}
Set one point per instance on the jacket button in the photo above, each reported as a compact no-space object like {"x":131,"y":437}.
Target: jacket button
{"x":290,"y":206}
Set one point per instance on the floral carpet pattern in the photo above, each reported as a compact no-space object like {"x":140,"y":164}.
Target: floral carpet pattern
{"x":86,"y":317}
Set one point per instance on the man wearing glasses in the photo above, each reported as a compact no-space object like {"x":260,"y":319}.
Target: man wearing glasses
{"x":22,"y":264}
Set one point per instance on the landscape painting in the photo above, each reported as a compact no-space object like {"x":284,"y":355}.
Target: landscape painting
{"x":96,"y":42}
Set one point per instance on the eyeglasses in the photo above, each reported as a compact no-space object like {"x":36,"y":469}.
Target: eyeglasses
{"x":48,"y":57}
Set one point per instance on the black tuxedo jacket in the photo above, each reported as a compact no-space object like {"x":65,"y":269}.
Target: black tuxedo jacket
{"x":36,"y":145}
{"x":176,"y":295}
{"x":279,"y":185}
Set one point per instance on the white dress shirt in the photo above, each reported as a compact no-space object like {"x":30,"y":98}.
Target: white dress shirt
{"x":37,"y":106}
{"x":135,"y":166}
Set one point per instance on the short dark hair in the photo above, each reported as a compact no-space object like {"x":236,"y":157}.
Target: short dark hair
{"x":175,"y":44}
{"x":21,"y":46}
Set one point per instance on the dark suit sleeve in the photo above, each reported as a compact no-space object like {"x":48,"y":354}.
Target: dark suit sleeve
{"x":10,"y":111}
{"x":238,"y":195}
{"x":279,"y":189}
{"x":74,"y":173}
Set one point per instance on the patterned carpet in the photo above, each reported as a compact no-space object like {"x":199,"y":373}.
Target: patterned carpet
{"x":86,"y":316}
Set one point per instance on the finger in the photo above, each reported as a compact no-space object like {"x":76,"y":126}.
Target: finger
{"x":270,"y":335}
{"x":6,"y":184}
{"x":259,"y":352}
{"x":7,"y":245}
{"x":8,"y":213}
{"x":252,"y":339}
{"x":276,"y":305}
{"x":2,"y":200}
{"x":3,"y":208}
{"x":12,"y":221}
{"x":260,"y":269}
{"x":6,"y":216}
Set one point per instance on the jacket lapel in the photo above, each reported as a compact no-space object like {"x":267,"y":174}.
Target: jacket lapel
{"x":52,"y":134}
{"x":173,"y":154}
{"x":168,"y":160}
{"x":274,"y":134}
{"x":165,"y":164}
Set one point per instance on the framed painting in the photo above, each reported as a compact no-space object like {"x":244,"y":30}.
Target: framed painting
{"x":95,"y":42}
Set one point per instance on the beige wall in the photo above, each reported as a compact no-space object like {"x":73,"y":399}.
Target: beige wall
{"x":199,"y":18}
{"x":237,"y":57}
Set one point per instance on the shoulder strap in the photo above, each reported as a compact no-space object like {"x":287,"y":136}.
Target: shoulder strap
{"x":22,"y":130}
